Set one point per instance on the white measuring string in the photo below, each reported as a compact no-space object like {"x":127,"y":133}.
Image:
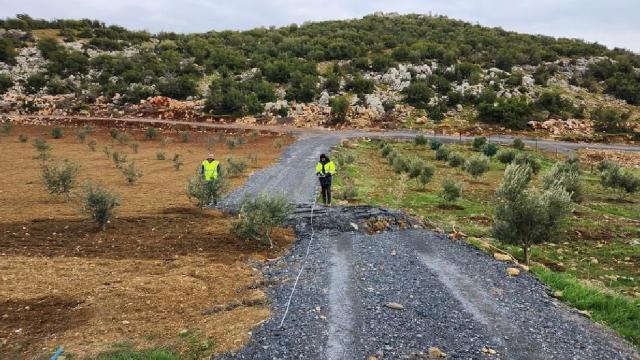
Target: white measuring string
{"x":304,"y":261}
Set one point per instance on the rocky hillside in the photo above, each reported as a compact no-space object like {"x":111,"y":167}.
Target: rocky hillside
{"x":384,"y":70}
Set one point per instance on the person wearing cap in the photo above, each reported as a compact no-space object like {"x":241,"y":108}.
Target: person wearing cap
{"x":210,"y":168}
{"x":324,"y":171}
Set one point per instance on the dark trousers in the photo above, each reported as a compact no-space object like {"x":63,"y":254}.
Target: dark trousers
{"x":326,"y":192}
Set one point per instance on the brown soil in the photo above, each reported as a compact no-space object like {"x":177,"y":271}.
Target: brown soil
{"x":158,"y":269}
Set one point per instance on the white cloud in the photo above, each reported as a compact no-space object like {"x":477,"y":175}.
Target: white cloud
{"x":613,"y":22}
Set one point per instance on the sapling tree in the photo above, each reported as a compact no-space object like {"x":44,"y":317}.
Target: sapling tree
{"x":526,"y":216}
{"x":205,"y":193}
{"x":60,"y":178}
{"x":259,"y":216}
{"x":477,"y":165}
{"x":99,"y":203}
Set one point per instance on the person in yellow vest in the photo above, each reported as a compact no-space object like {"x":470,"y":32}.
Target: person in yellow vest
{"x":324,"y":171}
{"x":210,"y":168}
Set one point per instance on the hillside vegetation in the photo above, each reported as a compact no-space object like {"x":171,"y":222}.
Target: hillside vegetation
{"x":383,"y":69}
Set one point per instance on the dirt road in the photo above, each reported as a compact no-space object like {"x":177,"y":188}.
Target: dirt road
{"x":453,"y":296}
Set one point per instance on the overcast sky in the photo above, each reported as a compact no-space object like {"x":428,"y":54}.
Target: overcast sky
{"x":612,"y":22}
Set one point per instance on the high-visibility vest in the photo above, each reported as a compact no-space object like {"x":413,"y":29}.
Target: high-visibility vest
{"x":210,"y":169}
{"x":329,"y":168}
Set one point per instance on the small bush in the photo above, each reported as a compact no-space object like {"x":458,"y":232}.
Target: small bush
{"x":119,"y":158}
{"x":131,"y":172}
{"x":99,"y":204}
{"x":421,"y":140}
{"x":518,"y":144}
{"x":426,"y":175}
{"x":529,"y":160}
{"x":414,"y":168}
{"x":478,"y":143}
{"x":442,"y":153}
{"x":386,"y":150}
{"x":178,"y":161}
{"x":165,"y":141}
{"x":107,"y":151}
{"x":57,"y":133}
{"x":623,"y":181}
{"x":6,"y":127}
{"x":60,"y":178}
{"x":151,"y":134}
{"x":567,"y":176}
{"x":23,"y":138}
{"x":92,"y":144}
{"x":489,"y":149}
{"x":456,"y":159}
{"x":258,"y":217}
{"x":506,"y":156}
{"x":231,"y":144}
{"x":122,"y":138}
{"x":477,"y":165}
{"x":253,"y":158}
{"x":348,"y":192}
{"x":451,"y":191}
{"x":236,"y":167}
{"x":205,"y":192}
{"x":160,"y":155}
{"x":435,"y":144}
{"x":185,"y":136}
{"x":114,"y":132}
{"x":134,"y":147}
{"x":81,"y":134}
{"x":42,"y":148}
{"x":339,"y":108}
{"x":278,"y":144}
{"x":400,"y":164}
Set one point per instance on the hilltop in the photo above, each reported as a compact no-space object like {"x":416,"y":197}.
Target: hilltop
{"x":381,"y":71}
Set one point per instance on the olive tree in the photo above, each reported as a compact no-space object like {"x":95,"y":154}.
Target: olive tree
{"x":259,"y":216}
{"x":526,"y":216}
{"x":60,"y":178}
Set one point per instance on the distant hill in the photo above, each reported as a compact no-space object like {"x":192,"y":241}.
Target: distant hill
{"x":384,"y":65}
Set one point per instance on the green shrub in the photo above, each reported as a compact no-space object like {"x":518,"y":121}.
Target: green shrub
{"x":513,"y":113}
{"x":231,"y":143}
{"x":420,"y":140}
{"x":57,"y":133}
{"x":506,"y":156}
{"x":339,"y":108}
{"x":160,"y":155}
{"x":455,"y":159}
{"x":81,"y":134}
{"x":610,"y":120}
{"x":166,"y":140}
{"x":489,"y":149}
{"x":151,"y":134}
{"x":119,"y":158}
{"x":442,"y":153}
{"x":391,"y":156}
{"x":518,"y":144}
{"x":400,"y":164}
{"x":418,"y":94}
{"x":478,"y":143}
{"x":451,"y":191}
{"x":99,"y":203}
{"x":529,"y":160}
{"x":134,"y":146}
{"x":435,"y":144}
{"x":544,"y":211}
{"x":114,"y":132}
{"x":414,"y":168}
{"x":621,"y":180}
{"x":122,"y":138}
{"x":206,"y":192}
{"x":60,"y":178}
{"x":6,"y":127}
{"x":567,"y":176}
{"x":386,"y":150}
{"x":23,"y":138}
{"x":477,"y":165}
{"x":426,"y":175}
{"x":185,"y":136}
{"x":43,"y":148}
{"x":348,"y":192}
{"x":253,"y":158}
{"x":131,"y":172}
{"x":236,"y":167}
{"x":92,"y":144}
{"x":258,"y":217}
{"x":178,"y":161}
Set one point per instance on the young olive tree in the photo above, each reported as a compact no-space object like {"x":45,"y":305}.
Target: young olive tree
{"x":524,"y":216}
{"x":60,"y":178}
{"x":567,"y":175}
{"x":99,"y":203}
{"x":258,"y":217}
{"x":205,"y":193}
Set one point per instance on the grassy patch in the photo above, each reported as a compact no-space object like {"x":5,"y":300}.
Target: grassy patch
{"x":126,"y":352}
{"x":619,"y":312}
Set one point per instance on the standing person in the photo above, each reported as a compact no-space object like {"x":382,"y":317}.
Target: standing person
{"x":209,"y":169}
{"x":324,"y":171}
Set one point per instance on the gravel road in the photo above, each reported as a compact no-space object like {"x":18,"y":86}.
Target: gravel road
{"x":453,"y":296}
